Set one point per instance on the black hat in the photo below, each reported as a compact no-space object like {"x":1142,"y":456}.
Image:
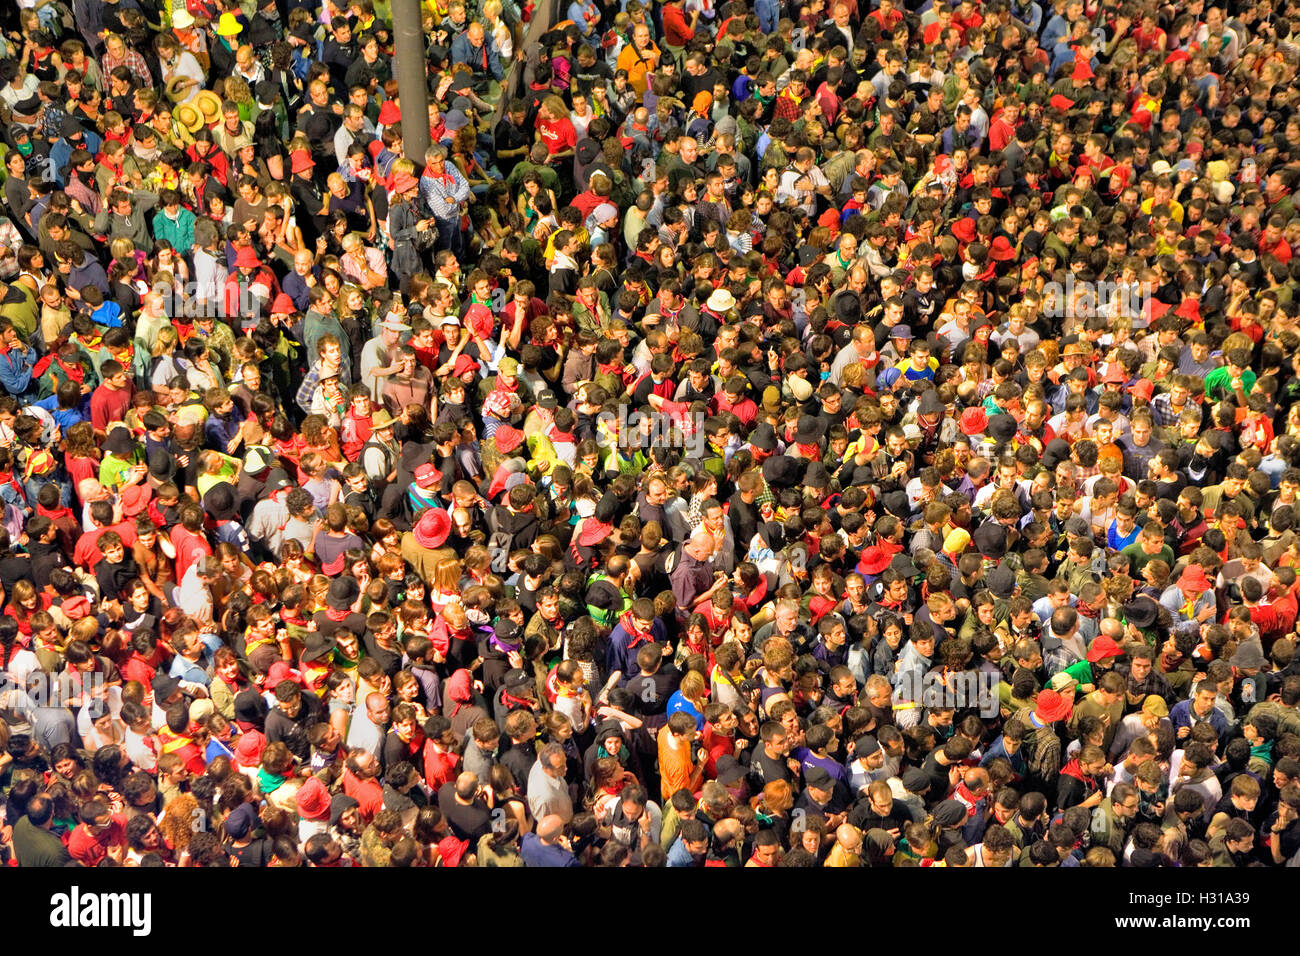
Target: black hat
{"x":587,"y":151}
{"x":730,"y":770}
{"x":808,"y":254}
{"x":342,"y":594}
{"x":161,"y":465}
{"x":517,"y":680}
{"x":219,"y":501}
{"x":932,"y":404}
{"x":120,"y":442}
{"x":507,"y":631}
{"x":763,"y":437}
{"x":897,"y":504}
{"x":546,"y":399}
{"x":1141,"y":611}
{"x":903,"y":564}
{"x":1001,"y":581}
{"x":164,"y":685}
{"x":267,"y":90}
{"x":810,"y":430}
{"x":250,"y":707}
{"x":865,"y":746}
{"x":818,"y":777}
{"x":29,"y":106}
{"x":915,"y":780}
{"x":1002,"y":428}
{"x":1057,"y":451}
{"x":991,"y":540}
{"x":781,"y":471}
{"x":316,"y":645}
{"x":240,"y":822}
{"x":949,"y":813}
{"x":816,"y":476}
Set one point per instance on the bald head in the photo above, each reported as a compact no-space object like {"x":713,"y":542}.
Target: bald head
{"x":550,"y":828}
{"x":1112,"y":628}
{"x":701,"y":545}
{"x":849,"y":837}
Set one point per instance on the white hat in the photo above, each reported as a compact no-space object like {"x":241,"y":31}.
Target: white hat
{"x":1161,"y":168}
{"x":721,"y":301}
{"x":182,"y":20}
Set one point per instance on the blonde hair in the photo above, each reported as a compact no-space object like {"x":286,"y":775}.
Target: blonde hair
{"x":166,"y":341}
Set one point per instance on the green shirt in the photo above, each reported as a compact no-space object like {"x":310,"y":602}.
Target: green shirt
{"x":1218,"y":384}
{"x":1140,"y":558}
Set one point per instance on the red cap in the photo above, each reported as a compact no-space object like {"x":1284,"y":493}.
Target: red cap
{"x":390,"y":114}
{"x":1102,"y":648}
{"x":283,"y":305}
{"x":1061,"y":102}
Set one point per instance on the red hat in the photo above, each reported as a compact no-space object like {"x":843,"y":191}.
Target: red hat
{"x":404,"y":182}
{"x":1114,"y":374}
{"x":313,"y":800}
{"x":964,"y":230}
{"x":1102,"y":648}
{"x":247,"y":258}
{"x":135,"y":499}
{"x":1155,"y":309}
{"x":874,"y":560}
{"x":1143,"y":388}
{"x":464,"y":363}
{"x":432,"y":529}
{"x":498,"y":403}
{"x":593,"y":532}
{"x":508,"y":438}
{"x":1050,"y":706}
{"x":427,"y":475}
{"x":1195,"y":146}
{"x":1178,"y":56}
{"x":248,"y":749}
{"x":280,"y":671}
{"x":974,"y":420}
{"x":831,"y":220}
{"x":1000,"y":249}
{"x":1082,"y":71}
{"x":1061,"y":102}
{"x":283,"y":305}
{"x":1193,"y":580}
{"x":301,"y":160}
{"x":390,"y":114}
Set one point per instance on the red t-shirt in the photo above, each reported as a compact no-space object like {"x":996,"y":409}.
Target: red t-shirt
{"x":559,"y":134}
{"x":90,"y":847}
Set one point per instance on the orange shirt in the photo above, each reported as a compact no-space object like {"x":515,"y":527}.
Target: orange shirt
{"x":675,"y":766}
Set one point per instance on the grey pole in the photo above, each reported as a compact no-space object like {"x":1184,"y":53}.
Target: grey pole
{"x":409,"y":68}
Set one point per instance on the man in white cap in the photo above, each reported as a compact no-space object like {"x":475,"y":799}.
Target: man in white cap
{"x":379,"y":355}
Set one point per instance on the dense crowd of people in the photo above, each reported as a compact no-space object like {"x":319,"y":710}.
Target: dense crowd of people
{"x":827,"y":433}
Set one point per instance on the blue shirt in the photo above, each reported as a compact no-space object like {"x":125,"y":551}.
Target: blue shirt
{"x":537,"y":853}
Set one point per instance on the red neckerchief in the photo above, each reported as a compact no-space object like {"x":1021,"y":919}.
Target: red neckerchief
{"x":512,"y":701}
{"x":638,"y":637}
{"x":445,"y":178}
{"x":75,"y":372}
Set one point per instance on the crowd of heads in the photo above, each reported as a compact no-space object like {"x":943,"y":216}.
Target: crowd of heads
{"x":750,"y":434}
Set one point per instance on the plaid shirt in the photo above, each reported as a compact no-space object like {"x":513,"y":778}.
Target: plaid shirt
{"x":132,"y":61}
{"x":451,"y":188}
{"x":1164,"y":413}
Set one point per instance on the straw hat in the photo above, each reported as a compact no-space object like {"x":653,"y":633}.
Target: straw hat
{"x":188,"y":115}
{"x":209,"y":106}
